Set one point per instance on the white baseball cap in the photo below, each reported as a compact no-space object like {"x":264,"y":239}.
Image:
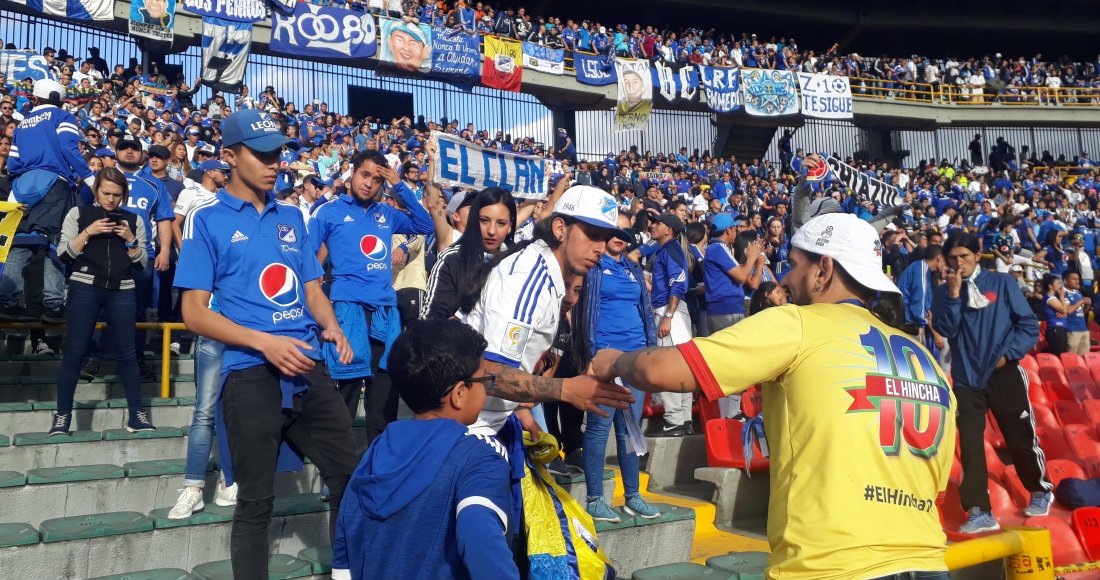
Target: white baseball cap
{"x":590,"y":205}
{"x":44,"y":89}
{"x":852,"y":242}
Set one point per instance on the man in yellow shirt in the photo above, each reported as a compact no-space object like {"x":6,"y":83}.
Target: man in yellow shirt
{"x":860,"y":419}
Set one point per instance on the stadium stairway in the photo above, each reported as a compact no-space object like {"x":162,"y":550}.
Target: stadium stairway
{"x":94,"y":504}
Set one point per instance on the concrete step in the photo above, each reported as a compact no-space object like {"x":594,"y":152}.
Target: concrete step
{"x":119,"y":490}
{"x":672,"y":461}
{"x":183,"y":547}
{"x":741,"y":499}
{"x":93,"y":415}
{"x":35,"y":451}
{"x":45,"y":389}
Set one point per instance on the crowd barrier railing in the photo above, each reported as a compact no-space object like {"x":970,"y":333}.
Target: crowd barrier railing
{"x":1026,"y":553}
{"x":166,"y":329}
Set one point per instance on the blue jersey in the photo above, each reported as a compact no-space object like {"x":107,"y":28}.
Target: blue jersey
{"x":257,"y":264}
{"x":48,"y":139}
{"x":1075,"y":322}
{"x":724,"y":294}
{"x":149,"y":199}
{"x":359,"y":243}
{"x":669,"y":273}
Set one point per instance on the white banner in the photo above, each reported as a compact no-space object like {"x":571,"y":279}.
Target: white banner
{"x":769,"y":93}
{"x":463,"y":164}
{"x":543,"y":59}
{"x":635,"y":99}
{"x":825,"y":96}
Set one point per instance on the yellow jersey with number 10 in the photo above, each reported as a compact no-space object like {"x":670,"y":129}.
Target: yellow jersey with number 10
{"x":860,"y":421}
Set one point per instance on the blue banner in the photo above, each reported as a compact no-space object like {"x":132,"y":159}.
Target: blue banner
{"x":769,"y":93}
{"x":236,"y":10}
{"x":226,"y":45}
{"x":543,"y":58}
{"x":721,"y":87}
{"x":594,"y":70}
{"x":321,"y":31}
{"x":456,"y":56}
{"x":22,"y":64}
{"x":675,"y":81}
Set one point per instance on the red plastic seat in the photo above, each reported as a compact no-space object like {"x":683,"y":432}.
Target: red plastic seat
{"x":1054,"y":444}
{"x":752,"y":402}
{"x":1056,"y":384}
{"x":1015,"y":487}
{"x":1092,"y":411}
{"x":1086,"y":522}
{"x":1047,"y":360}
{"x":1004,"y":507}
{"x":1091,"y":465}
{"x":993,"y":463}
{"x":1067,"y":549}
{"x":1081,"y":383}
{"x":1072,"y":360}
{"x":707,"y":410}
{"x":1044,"y":417}
{"x":1059,"y":469}
{"x":651,"y":410}
{"x":1092,"y":359}
{"x":1069,"y":412}
{"x":724,"y":447}
{"x":1036,"y":392}
{"x":1081,"y":439}
{"x":993,"y":432}
{"x":1029,"y":363}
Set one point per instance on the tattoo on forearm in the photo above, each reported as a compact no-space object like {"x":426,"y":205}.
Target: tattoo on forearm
{"x":515,"y":385}
{"x":626,"y":367}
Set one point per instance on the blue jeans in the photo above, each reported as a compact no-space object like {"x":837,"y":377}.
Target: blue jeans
{"x":208,"y":369}
{"x":82,"y":310}
{"x":11,"y":283}
{"x":596,"y":432}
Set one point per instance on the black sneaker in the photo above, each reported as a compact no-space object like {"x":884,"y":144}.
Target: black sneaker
{"x":139,"y":421}
{"x":148,"y":372}
{"x":575,"y":458}
{"x":61,"y":424}
{"x":53,"y":316}
{"x":15,"y":313}
{"x":558,"y":467}
{"x":90,"y":370}
{"x":677,"y":431}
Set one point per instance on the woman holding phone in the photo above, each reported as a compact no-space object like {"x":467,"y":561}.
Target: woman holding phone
{"x":102,"y":244}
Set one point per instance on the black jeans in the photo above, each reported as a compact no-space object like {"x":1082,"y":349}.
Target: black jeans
{"x":380,"y":404}
{"x":564,"y":421}
{"x":1006,"y":396}
{"x":916,"y":576}
{"x":317,"y":425}
{"x":408,"y":304}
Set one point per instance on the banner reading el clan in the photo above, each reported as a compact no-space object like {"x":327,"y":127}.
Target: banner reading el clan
{"x":463,"y":164}
{"x":153,"y":19}
{"x":323,"y":31}
{"x":769,"y":93}
{"x":635,"y":99}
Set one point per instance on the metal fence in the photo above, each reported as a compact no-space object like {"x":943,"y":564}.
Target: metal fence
{"x":298,"y":80}
{"x":668,"y":131}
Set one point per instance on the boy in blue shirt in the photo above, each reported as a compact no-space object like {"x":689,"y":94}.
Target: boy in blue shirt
{"x":429,"y":499}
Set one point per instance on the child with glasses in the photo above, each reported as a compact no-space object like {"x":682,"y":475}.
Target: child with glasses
{"x":429,"y":499}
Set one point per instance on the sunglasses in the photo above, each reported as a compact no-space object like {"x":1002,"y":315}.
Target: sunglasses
{"x":489,"y":380}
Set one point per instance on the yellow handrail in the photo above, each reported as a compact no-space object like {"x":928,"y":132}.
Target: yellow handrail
{"x":166,"y":329}
{"x":1026,"y":552}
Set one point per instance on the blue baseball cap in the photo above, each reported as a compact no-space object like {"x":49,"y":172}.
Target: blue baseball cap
{"x":724,"y":221}
{"x":255,"y":129}
{"x":213,"y":164}
{"x":104,"y":152}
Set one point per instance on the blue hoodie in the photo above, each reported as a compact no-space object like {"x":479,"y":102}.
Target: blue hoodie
{"x":979,"y":337}
{"x":428,"y":500}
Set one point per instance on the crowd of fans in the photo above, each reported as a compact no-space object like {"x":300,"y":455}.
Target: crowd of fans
{"x":708,"y":237}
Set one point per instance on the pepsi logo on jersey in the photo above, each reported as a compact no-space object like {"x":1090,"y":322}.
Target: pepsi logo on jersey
{"x":375,"y":250}
{"x":279,"y":284}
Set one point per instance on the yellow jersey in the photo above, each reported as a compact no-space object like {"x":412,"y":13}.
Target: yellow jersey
{"x":860,"y":422}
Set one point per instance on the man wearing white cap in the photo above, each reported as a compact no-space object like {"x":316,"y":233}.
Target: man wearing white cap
{"x":859,"y":417}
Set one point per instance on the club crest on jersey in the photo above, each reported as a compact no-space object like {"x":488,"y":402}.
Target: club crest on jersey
{"x":379,"y":217}
{"x":515,"y":339}
{"x":286,"y":234}
{"x":908,"y":392}
{"x":373,"y":247}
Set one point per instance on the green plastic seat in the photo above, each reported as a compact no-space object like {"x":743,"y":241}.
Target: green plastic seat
{"x":669,"y":513}
{"x":52,"y":405}
{"x":160,"y":433}
{"x":680,"y":571}
{"x":4,"y":441}
{"x":306,"y":503}
{"x":47,"y":475}
{"x":155,"y":467}
{"x":320,"y":557}
{"x":211,"y":514}
{"x":747,"y":565}
{"x":43,"y":438}
{"x":279,"y":567}
{"x":146,"y":402}
{"x":13,"y":407}
{"x":17,"y":535}
{"x":12,"y":479}
{"x":158,"y":574}
{"x":185,"y":401}
{"x":94,"y":526}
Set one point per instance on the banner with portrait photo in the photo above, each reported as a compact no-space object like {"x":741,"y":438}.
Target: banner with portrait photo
{"x":323,"y":32}
{"x":463,"y":164}
{"x":635,"y":98}
{"x":769,"y":93}
{"x":675,"y":82}
{"x":456,"y":57}
{"x":153,"y":19}
{"x":721,"y":88}
{"x":593,"y":69}
{"x":825,"y":96}
{"x":235,"y":10}
{"x":543,"y":58}
{"x":405,"y":46}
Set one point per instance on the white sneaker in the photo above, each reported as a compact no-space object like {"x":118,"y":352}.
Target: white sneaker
{"x":225,"y":496}
{"x":174,"y":348}
{"x":189,"y":502}
{"x":42,"y":349}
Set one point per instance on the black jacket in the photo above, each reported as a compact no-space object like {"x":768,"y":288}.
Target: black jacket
{"x":104,"y":261}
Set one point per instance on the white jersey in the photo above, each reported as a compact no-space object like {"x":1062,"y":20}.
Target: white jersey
{"x":517,"y":315}
{"x":193,"y":195}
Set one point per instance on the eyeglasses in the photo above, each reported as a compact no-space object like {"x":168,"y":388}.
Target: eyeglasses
{"x":489,"y":381}
{"x":6,"y":108}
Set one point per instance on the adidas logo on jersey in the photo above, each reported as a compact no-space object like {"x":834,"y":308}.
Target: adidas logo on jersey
{"x":347,"y":219}
{"x":238,"y":237}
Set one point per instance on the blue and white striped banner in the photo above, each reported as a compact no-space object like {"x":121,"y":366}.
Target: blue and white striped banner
{"x":76,"y":9}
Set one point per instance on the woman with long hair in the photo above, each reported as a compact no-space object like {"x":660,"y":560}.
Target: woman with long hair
{"x":178,"y":164}
{"x":777,"y":246}
{"x":767,"y":295}
{"x":615,"y":313}
{"x":1056,"y":313}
